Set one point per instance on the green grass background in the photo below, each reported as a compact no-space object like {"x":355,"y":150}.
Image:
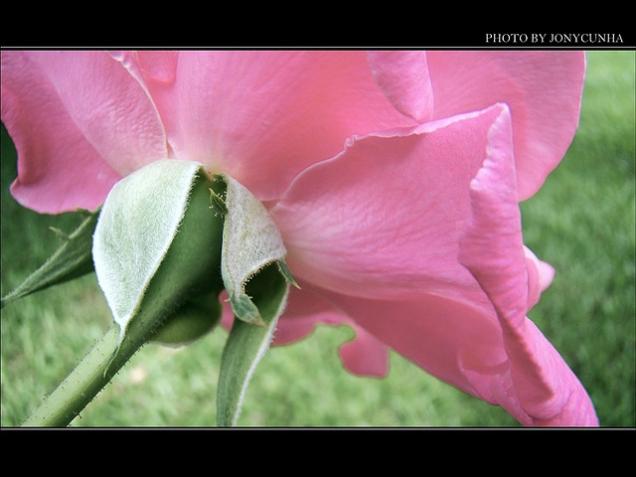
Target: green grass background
{"x":582,"y":222}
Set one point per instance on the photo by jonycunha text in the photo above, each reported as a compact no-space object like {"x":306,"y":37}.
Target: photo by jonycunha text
{"x":572,"y":39}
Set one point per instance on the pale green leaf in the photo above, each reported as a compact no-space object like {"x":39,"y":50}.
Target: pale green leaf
{"x":257,"y":282}
{"x":71,"y":260}
{"x":247,"y":343}
{"x":251,"y":241}
{"x":156,"y":240}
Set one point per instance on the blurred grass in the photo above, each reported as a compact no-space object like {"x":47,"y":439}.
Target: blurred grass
{"x":583,"y":222}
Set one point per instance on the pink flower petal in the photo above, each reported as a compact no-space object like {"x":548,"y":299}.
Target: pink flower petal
{"x":492,"y":249}
{"x":109,"y":107}
{"x":438,"y":334}
{"x":305,"y":309}
{"x":365,"y":355}
{"x":543,"y":90}
{"x":264,"y":116}
{"x":465,"y":347}
{"x":158,"y":67}
{"x":540,"y":276}
{"x":59,"y":169}
{"x":459,"y":345}
{"x":79,"y":121}
{"x":403,"y":76}
{"x":379,"y":259}
{"x":383,"y":219}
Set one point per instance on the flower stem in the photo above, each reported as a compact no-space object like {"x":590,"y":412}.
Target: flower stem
{"x":107,"y":356}
{"x":99,"y":366}
{"x":82,"y":384}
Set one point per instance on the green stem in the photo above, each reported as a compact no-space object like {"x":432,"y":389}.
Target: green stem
{"x":82,"y":384}
{"x":99,"y":366}
{"x":106,"y":359}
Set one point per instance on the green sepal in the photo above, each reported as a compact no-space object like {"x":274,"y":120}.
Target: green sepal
{"x":157,"y":244}
{"x":247,"y":344}
{"x":286,"y":273}
{"x":257,"y":282}
{"x":251,"y":242}
{"x":71,"y":260}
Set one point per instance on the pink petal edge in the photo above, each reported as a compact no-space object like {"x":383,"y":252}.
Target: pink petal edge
{"x":543,"y":90}
{"x":47,"y":140}
{"x":492,"y":249}
{"x":455,"y":336}
{"x":263,"y":116}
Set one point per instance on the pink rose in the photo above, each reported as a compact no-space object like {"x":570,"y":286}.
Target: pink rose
{"x":394,"y":178}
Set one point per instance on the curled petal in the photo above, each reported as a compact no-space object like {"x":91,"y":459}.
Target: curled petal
{"x":380,"y":262}
{"x":542,"y":89}
{"x":492,"y":249}
{"x":382,"y":220}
